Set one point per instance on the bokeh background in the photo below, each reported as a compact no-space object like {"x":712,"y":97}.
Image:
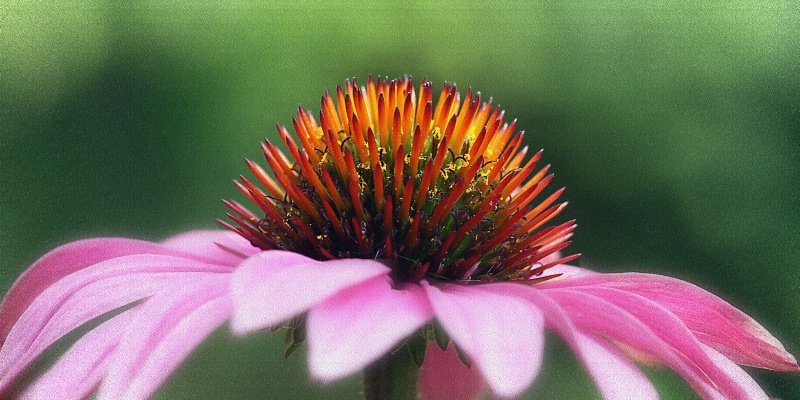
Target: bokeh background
{"x":675,"y":127}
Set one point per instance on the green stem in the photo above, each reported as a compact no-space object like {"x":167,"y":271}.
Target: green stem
{"x":393,"y":377}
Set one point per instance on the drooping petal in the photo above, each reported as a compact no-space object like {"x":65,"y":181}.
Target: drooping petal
{"x":86,"y":294}
{"x":654,"y":331}
{"x":503,"y":335}
{"x":737,"y":373}
{"x":167,"y":327}
{"x":79,"y":371}
{"x":673,"y":331}
{"x":275,"y":285}
{"x":715,"y":322}
{"x":358,"y":325}
{"x":444,"y":376}
{"x":215,"y":246}
{"x":59,"y":263}
{"x":47,"y":321}
{"x":615,"y":375}
{"x":72,"y":257}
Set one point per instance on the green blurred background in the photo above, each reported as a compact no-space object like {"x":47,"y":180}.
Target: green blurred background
{"x":674,"y":125}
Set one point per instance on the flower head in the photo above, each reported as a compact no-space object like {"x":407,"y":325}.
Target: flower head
{"x":398,"y":234}
{"x":439,"y":190}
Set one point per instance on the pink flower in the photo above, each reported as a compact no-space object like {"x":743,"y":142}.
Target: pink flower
{"x":394,"y":224}
{"x":179,"y":291}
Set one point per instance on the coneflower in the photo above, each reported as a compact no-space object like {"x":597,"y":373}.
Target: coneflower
{"x":398,"y":235}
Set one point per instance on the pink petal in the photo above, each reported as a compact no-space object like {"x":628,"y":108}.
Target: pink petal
{"x":75,"y":256}
{"x":503,"y":335}
{"x":714,"y":321}
{"x":737,"y":373}
{"x":59,"y":263}
{"x":79,"y":371}
{"x":615,"y":375}
{"x":567,"y":273}
{"x":646,"y":326}
{"x":275,"y":285}
{"x":215,"y":246}
{"x":444,"y":376}
{"x":44,"y":327}
{"x":167,"y":328}
{"x":550,"y":258}
{"x":358,"y":325}
{"x":673,"y":331}
{"x":87,"y":294}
